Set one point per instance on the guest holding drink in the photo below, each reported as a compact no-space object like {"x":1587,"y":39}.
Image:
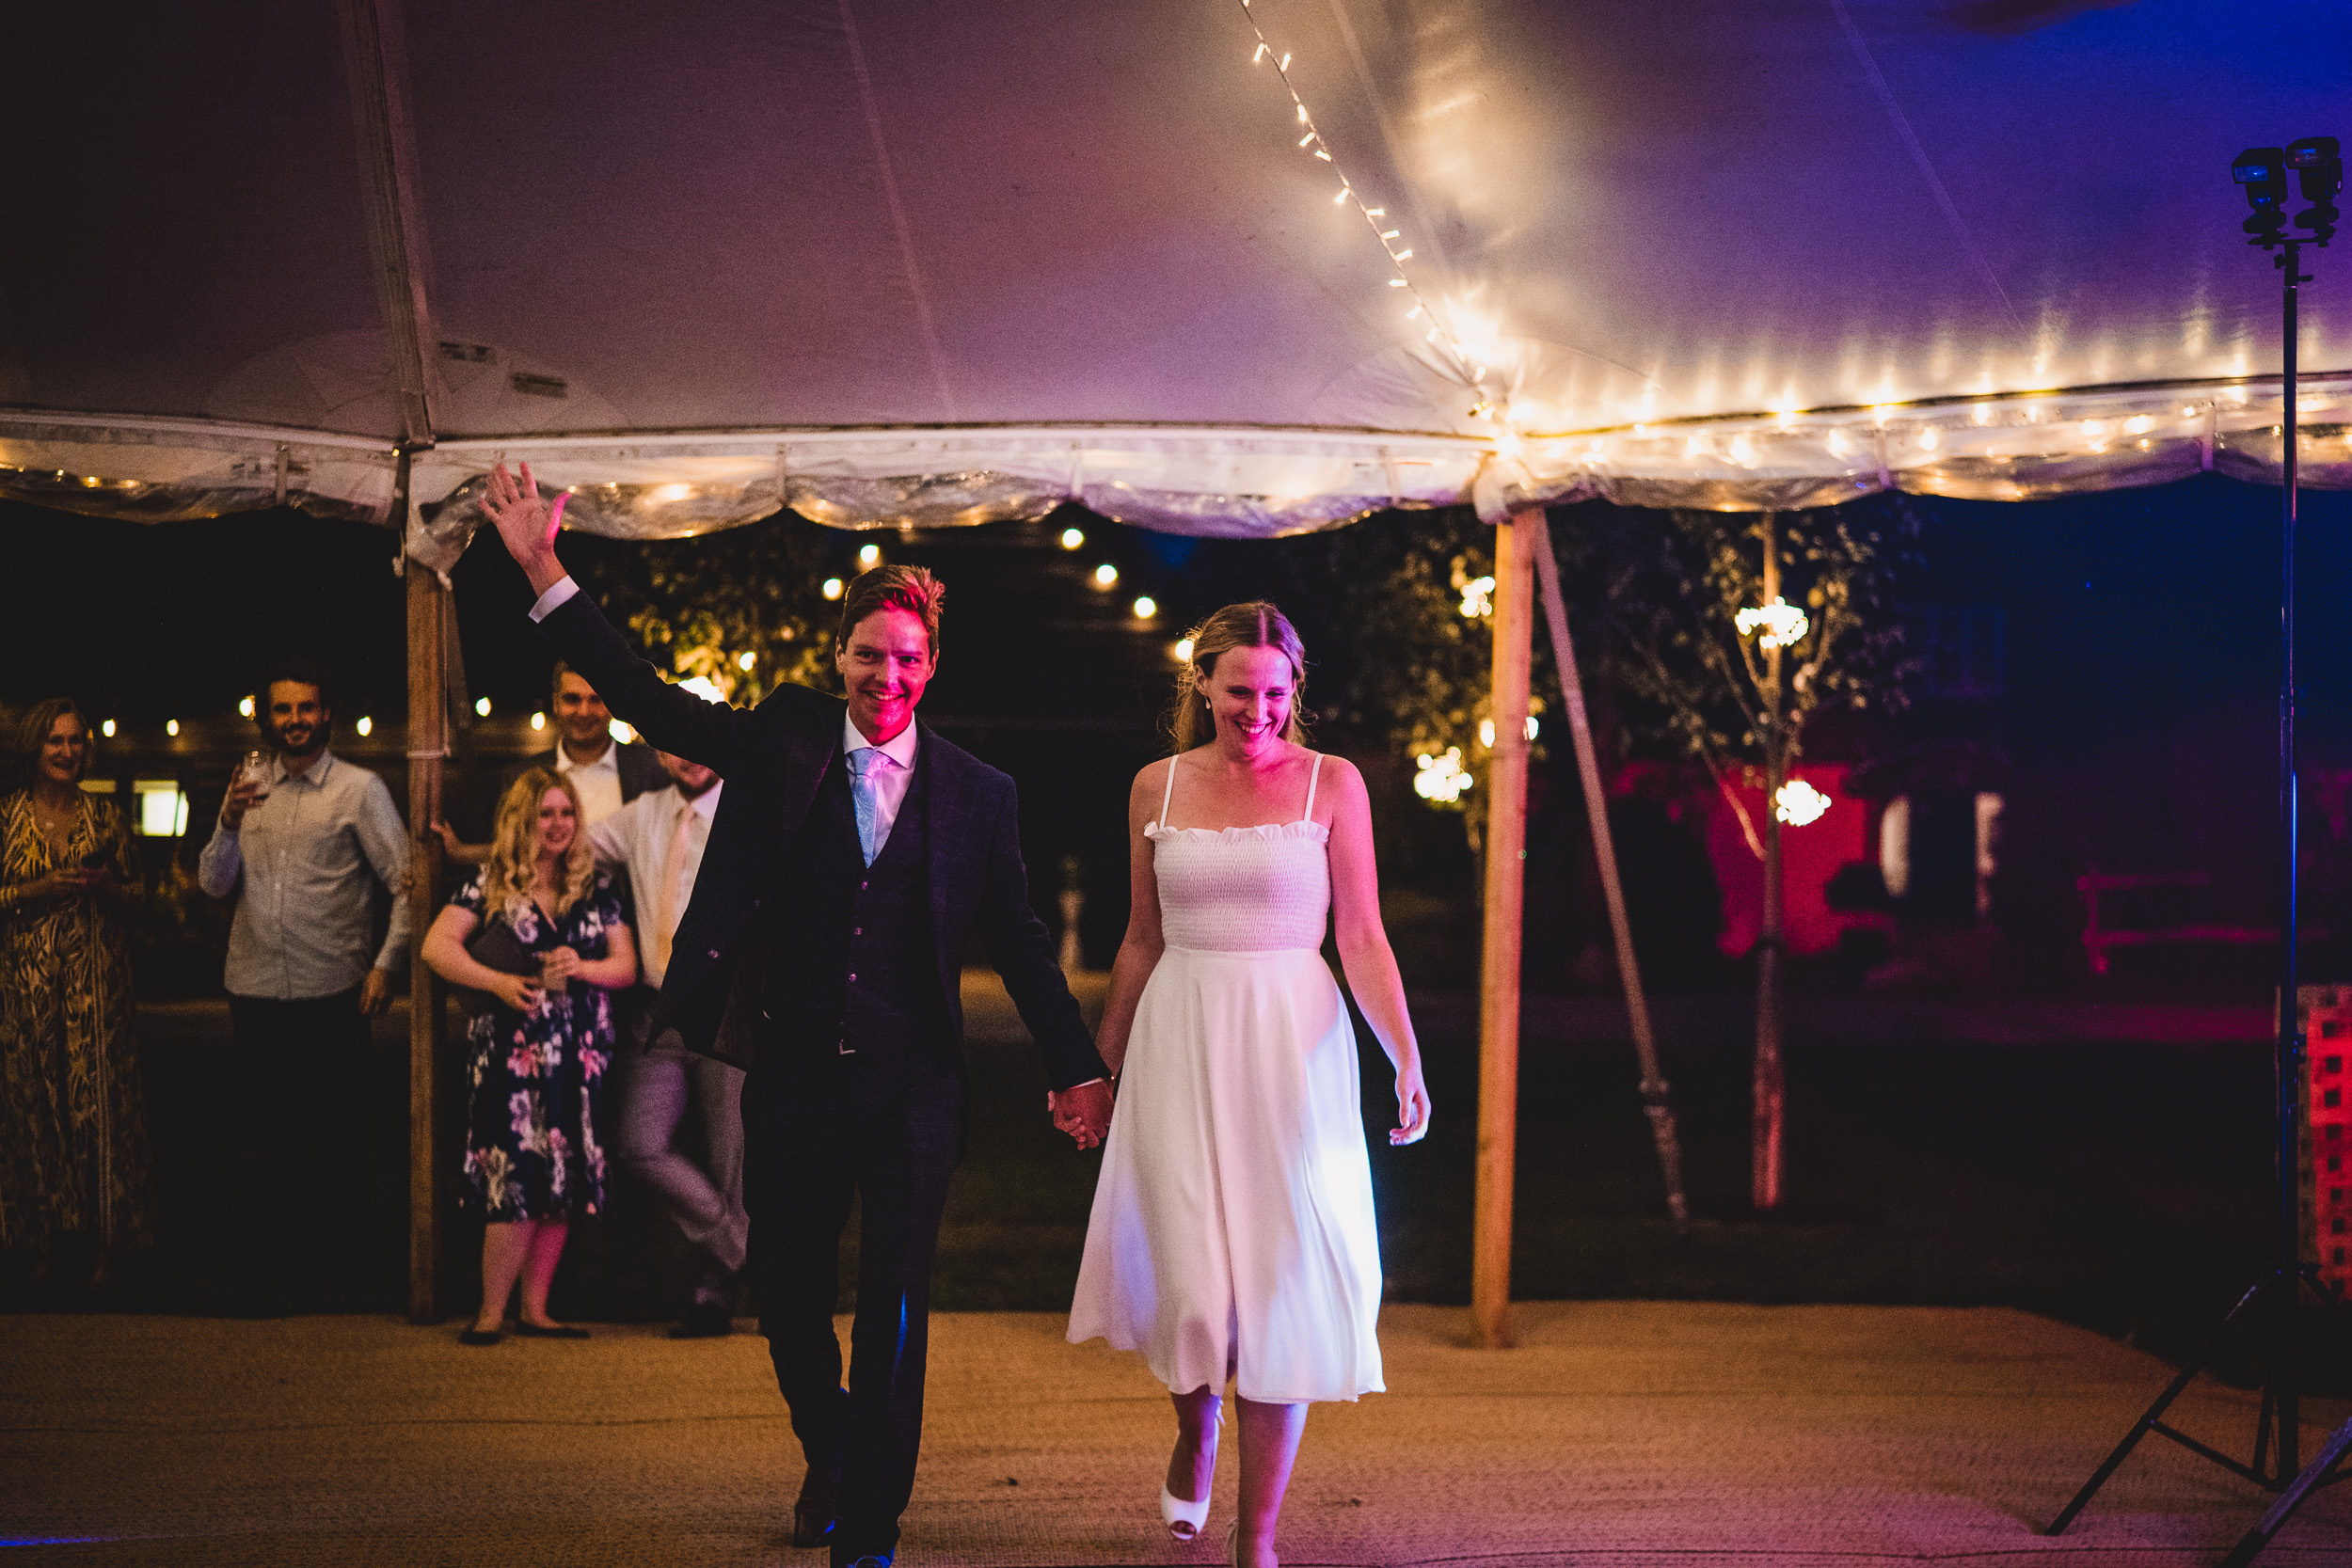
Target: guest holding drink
{"x":540,"y":934}
{"x":303,"y":841}
{"x":74,"y":1156}
{"x":1232,"y":1234}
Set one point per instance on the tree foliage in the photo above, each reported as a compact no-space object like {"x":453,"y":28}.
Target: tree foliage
{"x":1401,"y":590}
{"x":703,"y":603}
{"x":1696,"y":682}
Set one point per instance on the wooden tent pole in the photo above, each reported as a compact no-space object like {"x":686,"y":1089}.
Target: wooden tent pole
{"x":1653,"y":1093}
{"x":428,"y":744}
{"x":1499,"y":968}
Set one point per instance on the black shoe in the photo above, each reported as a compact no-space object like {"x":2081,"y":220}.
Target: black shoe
{"x":813,"y":1514}
{"x":871,"y":1559}
{"x":705,"y":1320}
{"x":478,"y":1337}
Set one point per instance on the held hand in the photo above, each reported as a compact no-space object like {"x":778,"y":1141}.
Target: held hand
{"x":1084,"y":1113}
{"x":244,"y":794}
{"x":376,"y":993}
{"x":67,"y":881}
{"x":518,"y":992}
{"x":558,"y":964}
{"x":526,"y":524}
{"x":448,"y":835}
{"x":1412,"y":1108}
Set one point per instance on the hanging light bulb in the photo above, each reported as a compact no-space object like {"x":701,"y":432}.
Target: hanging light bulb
{"x":1782,"y":624}
{"x":1799,"y":804}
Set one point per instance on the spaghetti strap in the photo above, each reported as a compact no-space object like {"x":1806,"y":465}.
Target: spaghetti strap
{"x":1312,"y":779}
{"x":1169,"y":793}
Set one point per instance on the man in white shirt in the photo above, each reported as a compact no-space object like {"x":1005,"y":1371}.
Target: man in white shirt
{"x":608,"y":773}
{"x":303,"y":853}
{"x":659,"y":837}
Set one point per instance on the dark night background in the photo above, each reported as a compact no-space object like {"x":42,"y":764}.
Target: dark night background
{"x":2118,"y":1185}
{"x":2137,"y":705}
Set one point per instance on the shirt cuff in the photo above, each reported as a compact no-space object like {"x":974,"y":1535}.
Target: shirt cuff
{"x":560,"y":595}
{"x":1083,"y":1086}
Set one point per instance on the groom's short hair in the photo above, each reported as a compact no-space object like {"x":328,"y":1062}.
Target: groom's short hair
{"x":893,"y":587}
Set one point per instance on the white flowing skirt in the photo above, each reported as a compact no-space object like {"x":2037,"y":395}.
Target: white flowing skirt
{"x":1232,"y":1223}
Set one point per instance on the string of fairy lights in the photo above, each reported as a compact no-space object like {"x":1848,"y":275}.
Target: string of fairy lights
{"x":1437,"y":333}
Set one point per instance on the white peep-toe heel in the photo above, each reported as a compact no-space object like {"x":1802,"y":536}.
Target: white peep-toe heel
{"x":1184,"y":1520}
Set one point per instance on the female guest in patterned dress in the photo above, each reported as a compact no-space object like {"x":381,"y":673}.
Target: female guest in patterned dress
{"x":533,"y":1153}
{"x":73,"y":1121}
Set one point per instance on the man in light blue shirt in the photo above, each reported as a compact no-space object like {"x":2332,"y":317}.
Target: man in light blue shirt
{"x":302,"y":855}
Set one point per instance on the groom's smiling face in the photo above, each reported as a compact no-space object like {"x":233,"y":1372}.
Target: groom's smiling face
{"x":885,"y":664}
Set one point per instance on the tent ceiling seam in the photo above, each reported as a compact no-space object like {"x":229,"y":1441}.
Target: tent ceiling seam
{"x":898,"y":213}
{"x":1925,"y":166}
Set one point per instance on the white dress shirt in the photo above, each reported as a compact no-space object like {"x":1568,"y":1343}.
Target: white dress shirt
{"x":301,"y":865}
{"x":891,"y":779}
{"x":544,"y":606}
{"x":598,"y":782}
{"x":641,"y":836}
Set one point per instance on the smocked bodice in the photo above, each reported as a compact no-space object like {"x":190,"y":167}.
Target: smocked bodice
{"x":1242,"y":890}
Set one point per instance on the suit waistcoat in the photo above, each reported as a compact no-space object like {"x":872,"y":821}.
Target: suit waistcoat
{"x":854,"y":967}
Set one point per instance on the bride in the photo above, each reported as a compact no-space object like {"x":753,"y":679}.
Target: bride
{"x":1232,"y":1232}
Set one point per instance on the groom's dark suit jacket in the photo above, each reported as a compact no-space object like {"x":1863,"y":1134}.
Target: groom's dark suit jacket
{"x":773,"y":757}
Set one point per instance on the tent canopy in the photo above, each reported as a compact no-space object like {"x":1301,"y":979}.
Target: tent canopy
{"x":896,"y":262}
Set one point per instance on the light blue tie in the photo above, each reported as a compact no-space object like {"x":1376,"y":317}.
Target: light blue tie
{"x":865,"y":764}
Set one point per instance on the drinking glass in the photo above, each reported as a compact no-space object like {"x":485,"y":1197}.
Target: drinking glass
{"x":254,"y":769}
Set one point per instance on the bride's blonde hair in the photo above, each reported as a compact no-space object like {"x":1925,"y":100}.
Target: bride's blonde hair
{"x":506,"y":876}
{"x":1255,"y":624}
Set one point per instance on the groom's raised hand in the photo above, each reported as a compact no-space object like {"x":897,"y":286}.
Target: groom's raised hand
{"x":526,"y":524}
{"x":1083,"y":1112}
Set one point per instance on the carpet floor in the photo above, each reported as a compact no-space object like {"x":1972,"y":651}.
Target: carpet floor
{"x":1615,"y":1433}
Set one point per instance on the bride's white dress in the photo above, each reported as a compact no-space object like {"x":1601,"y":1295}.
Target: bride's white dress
{"x":1232,"y":1223}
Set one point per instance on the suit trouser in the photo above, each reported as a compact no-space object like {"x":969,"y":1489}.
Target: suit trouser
{"x":818,"y":1130}
{"x":705,"y":1201}
{"x":305,"y":1066}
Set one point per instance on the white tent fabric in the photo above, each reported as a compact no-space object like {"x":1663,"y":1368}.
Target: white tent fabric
{"x":898,"y":262}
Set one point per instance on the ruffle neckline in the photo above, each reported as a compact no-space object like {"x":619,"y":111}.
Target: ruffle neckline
{"x":1263,"y":833}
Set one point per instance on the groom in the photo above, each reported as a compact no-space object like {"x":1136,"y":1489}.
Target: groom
{"x":853,"y":857}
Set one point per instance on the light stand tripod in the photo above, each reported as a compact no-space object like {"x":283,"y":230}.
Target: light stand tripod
{"x":2278,"y":1429}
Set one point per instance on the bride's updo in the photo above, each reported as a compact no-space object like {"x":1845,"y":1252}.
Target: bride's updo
{"x":1256,"y":625}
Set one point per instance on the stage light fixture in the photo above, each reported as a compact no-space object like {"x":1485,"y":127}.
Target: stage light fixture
{"x":2262,"y":173}
{"x":2318,"y":164}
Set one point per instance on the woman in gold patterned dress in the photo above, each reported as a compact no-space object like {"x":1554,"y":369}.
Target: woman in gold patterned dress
{"x":73,"y":1157}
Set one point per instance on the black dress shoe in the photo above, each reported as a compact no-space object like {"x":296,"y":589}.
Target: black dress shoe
{"x":705,"y":1320}
{"x":550,"y":1331}
{"x":478,"y":1337}
{"x":813,"y":1514}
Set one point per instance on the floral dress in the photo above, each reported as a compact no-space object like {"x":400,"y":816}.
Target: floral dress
{"x":536,"y":1079}
{"x":73,"y":1153}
